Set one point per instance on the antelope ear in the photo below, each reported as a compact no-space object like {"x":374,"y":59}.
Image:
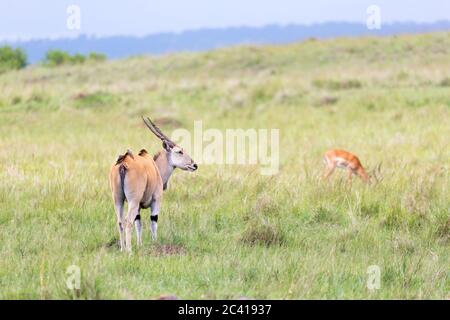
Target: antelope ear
{"x":166,"y":146}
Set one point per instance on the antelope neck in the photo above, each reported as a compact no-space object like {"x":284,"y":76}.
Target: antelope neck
{"x":165,"y":169}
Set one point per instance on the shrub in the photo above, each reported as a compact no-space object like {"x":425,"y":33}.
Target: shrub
{"x":12,"y":59}
{"x":95,"y":56}
{"x":57,"y":57}
{"x":78,"y":59}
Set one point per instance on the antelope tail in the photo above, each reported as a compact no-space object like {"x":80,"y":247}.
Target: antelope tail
{"x":122,"y":172}
{"x":123,"y":168}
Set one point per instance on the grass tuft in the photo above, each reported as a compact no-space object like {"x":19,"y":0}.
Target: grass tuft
{"x":264,"y":234}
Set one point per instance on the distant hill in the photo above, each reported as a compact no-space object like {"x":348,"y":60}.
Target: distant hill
{"x":206,"y":39}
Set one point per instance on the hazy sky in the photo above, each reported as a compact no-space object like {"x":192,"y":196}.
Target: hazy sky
{"x":23,"y":19}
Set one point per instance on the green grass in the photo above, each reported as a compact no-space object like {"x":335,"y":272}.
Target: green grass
{"x":227,"y":231}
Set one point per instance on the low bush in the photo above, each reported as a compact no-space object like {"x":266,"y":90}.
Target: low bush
{"x":58,"y":57}
{"x":12,"y":59}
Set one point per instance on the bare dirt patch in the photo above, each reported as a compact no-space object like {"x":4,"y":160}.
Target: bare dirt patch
{"x":160,"y":250}
{"x":113,"y":243}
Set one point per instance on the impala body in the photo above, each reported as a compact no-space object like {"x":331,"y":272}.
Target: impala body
{"x":140,"y":180}
{"x":344,"y":160}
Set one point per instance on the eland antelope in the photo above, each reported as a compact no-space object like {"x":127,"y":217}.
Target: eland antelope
{"x":344,"y":160}
{"x":140,"y":180}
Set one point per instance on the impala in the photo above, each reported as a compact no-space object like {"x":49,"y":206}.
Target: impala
{"x":140,"y":180}
{"x":344,"y":160}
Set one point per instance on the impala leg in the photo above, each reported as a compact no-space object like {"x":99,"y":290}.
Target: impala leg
{"x":350,"y":174}
{"x":155,"y":206}
{"x":329,"y":171}
{"x":363,"y":175}
{"x":119,"y":215}
{"x":138,"y":226}
{"x":133,"y":211}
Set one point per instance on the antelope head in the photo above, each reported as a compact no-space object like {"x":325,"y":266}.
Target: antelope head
{"x":176,"y":156}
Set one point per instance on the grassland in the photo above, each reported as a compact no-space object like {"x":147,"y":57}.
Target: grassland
{"x":227,"y":231}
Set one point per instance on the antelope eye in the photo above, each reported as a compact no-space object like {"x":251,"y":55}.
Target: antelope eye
{"x":180,"y":151}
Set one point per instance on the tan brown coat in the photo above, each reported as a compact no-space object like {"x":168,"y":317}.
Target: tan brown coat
{"x":140,"y":180}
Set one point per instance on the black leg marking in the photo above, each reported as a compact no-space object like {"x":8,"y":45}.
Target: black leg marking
{"x":138,"y":217}
{"x":154,"y":218}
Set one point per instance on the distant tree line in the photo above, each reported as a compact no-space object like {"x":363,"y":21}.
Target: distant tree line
{"x":57,"y":57}
{"x":15,"y":59}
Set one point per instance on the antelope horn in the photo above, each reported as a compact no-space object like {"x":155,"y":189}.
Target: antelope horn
{"x":148,"y":124}
{"x":156,"y":131}
{"x":377,"y":172}
{"x":159,"y":131}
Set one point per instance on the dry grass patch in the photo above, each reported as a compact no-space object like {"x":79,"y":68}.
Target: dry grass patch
{"x":160,"y":250}
{"x":265,"y":234}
